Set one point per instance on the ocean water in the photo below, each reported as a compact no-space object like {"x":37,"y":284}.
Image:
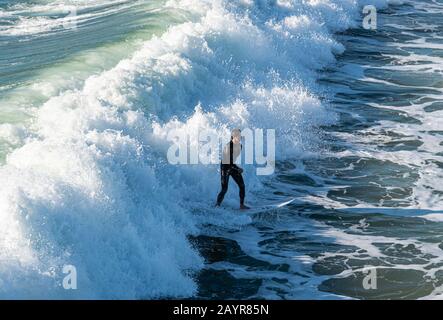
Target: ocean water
{"x":86,"y":104}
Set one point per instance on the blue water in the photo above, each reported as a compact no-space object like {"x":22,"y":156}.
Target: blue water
{"x":86,"y":104}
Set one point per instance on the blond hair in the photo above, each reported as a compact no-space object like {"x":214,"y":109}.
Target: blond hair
{"x":235,"y":132}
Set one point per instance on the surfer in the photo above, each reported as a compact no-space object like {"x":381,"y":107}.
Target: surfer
{"x":228,"y":168}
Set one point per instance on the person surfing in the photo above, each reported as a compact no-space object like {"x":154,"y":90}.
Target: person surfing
{"x":228,"y":168}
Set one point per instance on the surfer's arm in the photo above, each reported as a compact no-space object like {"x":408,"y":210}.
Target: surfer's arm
{"x":236,"y":167}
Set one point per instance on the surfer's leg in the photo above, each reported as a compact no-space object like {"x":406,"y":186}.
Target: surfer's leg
{"x":224,"y":177}
{"x":241,"y":185}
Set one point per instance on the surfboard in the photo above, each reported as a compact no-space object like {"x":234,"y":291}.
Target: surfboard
{"x":267,"y":207}
{"x":209,"y":207}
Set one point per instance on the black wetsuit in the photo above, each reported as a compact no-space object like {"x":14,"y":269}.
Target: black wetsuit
{"x":234,"y":171}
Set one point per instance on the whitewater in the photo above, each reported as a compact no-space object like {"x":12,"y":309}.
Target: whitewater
{"x":83,"y":140}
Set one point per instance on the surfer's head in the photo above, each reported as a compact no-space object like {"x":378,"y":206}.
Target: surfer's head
{"x":236,"y":135}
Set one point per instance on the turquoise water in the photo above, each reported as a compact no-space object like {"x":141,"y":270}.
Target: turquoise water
{"x":40,"y":57}
{"x":84,"y":118}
